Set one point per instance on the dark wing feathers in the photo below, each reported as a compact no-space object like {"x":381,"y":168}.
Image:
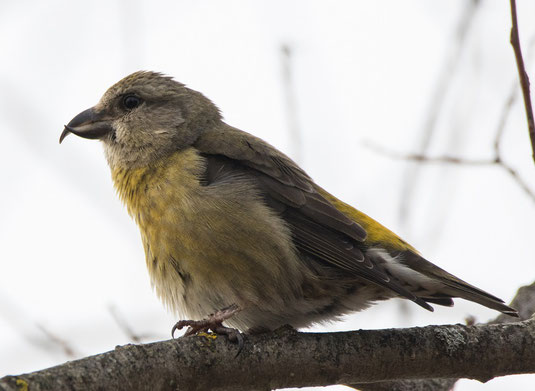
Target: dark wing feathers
{"x":288,"y":195}
{"x":332,"y":247}
{"x":319,"y":209}
{"x":314,"y":206}
{"x":444,"y":301}
{"x":329,"y":242}
{"x":255,"y":153}
{"x":319,"y":229}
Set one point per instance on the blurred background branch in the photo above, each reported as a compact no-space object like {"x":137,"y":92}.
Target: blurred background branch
{"x":523,"y":76}
{"x":127,"y":329}
{"x":497,"y":158}
{"x":288,"y":87}
{"x":411,"y":175}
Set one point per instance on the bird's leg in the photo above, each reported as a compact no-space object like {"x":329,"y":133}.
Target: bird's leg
{"x":213,"y":322}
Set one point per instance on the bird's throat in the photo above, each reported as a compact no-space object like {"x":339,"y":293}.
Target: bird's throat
{"x":130,"y":185}
{"x":146,"y":189}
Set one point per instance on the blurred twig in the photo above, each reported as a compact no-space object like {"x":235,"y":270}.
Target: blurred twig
{"x":418,"y":157}
{"x":125,"y":327}
{"x":16,"y":316}
{"x":495,"y":160}
{"x":411,"y":175}
{"x":522,"y":74}
{"x":56,"y":340}
{"x":291,"y":105}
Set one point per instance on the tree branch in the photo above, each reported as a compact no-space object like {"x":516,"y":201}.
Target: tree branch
{"x":286,"y":358}
{"x":524,"y":302}
{"x":522,"y":74}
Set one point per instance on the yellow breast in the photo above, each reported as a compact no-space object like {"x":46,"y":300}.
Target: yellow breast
{"x":157,"y":197}
{"x":201,"y":240}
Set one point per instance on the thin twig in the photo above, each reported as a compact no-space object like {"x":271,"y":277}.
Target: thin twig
{"x":504,"y":115}
{"x":417,"y":157}
{"x":516,"y":177}
{"x":522,"y":74}
{"x":18,"y":318}
{"x":291,"y":103}
{"x":440,"y":92}
{"x":496,"y":161}
{"x":124,"y":326}
{"x":56,"y":340}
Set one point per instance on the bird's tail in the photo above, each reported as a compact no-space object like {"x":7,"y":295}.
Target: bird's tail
{"x":435,"y":285}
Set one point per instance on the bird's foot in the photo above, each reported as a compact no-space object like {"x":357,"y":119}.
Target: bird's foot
{"x":214,"y":322}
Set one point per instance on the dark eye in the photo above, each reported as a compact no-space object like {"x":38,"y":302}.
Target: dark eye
{"x":131,"y":102}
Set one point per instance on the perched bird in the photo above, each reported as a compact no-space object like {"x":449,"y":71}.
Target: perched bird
{"x":234,"y":228}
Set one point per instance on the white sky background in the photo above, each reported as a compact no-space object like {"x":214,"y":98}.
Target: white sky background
{"x":362,"y":72}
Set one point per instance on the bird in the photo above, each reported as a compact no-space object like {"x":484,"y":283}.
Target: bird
{"x":234,"y":231}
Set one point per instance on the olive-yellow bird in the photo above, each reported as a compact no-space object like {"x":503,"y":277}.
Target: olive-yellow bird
{"x":234,"y":228}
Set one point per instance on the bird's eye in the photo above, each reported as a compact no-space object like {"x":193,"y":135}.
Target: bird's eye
{"x":131,"y":102}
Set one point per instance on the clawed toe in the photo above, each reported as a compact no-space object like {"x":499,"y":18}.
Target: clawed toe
{"x":214,"y":322}
{"x":233,"y":335}
{"x":194,"y":327}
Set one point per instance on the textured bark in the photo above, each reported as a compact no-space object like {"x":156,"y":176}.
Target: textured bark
{"x":286,"y":358}
{"x":409,"y":385}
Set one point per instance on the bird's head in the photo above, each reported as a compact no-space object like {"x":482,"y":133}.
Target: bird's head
{"x":143,"y":118}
